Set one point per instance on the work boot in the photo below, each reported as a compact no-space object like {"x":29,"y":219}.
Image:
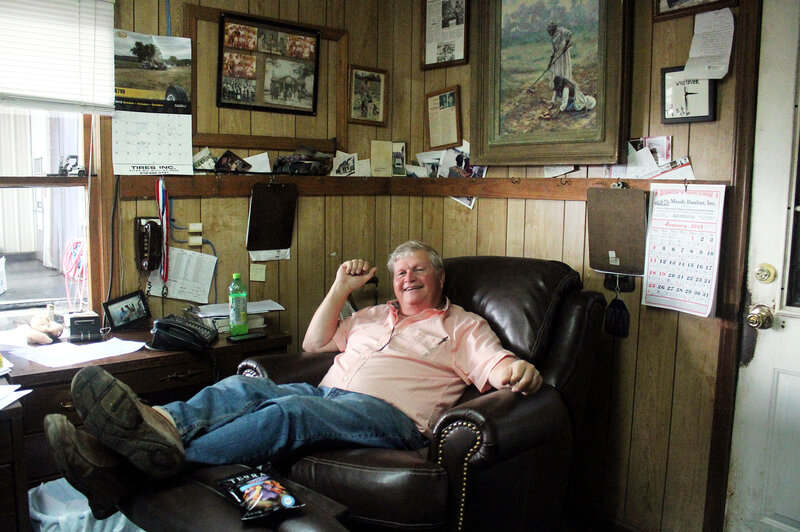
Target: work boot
{"x":102,"y":475}
{"x":113,"y":413}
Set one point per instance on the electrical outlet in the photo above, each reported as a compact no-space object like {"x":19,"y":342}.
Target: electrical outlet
{"x":195,"y":240}
{"x":196,"y":227}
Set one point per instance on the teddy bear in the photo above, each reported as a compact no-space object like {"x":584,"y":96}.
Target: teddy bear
{"x":43,"y":330}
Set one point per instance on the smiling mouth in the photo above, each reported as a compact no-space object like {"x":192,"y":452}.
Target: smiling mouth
{"x":411,"y":288}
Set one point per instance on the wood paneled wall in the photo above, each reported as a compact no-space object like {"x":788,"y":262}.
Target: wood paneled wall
{"x":643,"y":462}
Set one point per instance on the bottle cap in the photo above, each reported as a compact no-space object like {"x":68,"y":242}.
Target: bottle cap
{"x":237,"y":275}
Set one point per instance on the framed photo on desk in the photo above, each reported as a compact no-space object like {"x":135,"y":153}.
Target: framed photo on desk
{"x":127,"y":312}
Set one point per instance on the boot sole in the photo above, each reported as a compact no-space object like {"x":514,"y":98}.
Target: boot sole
{"x":75,"y":467}
{"x":111,"y":411}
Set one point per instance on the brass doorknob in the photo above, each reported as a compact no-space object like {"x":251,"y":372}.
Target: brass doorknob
{"x":760,"y":317}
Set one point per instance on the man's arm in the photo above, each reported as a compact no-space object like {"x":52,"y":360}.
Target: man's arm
{"x":517,"y":374}
{"x":351,"y":275}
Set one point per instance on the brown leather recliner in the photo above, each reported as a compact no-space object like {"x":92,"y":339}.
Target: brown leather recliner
{"x":498,"y":460}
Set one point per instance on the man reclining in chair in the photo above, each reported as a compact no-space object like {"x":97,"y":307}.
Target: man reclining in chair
{"x":401,"y":365}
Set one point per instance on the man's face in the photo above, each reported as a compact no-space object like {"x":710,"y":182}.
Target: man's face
{"x":417,"y":284}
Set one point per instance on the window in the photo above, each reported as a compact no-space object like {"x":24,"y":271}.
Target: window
{"x":42,"y":228}
{"x":61,"y":55}
{"x":56,"y":57}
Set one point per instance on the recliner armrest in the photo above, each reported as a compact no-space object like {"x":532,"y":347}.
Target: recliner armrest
{"x":496,"y":426}
{"x":504,"y":435}
{"x":287,"y":368}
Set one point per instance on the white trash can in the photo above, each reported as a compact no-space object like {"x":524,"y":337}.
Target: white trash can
{"x":56,"y":506}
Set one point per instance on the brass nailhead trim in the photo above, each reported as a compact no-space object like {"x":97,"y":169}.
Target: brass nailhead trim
{"x":445,"y":433}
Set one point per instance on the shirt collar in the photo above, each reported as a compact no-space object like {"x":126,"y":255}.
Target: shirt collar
{"x":394,"y":307}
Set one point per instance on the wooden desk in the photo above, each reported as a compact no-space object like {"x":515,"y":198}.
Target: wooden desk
{"x":157,"y":376}
{"x":13,"y":490}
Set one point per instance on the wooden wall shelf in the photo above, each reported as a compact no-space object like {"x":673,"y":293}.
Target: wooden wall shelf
{"x":226,"y":185}
{"x":42,"y":181}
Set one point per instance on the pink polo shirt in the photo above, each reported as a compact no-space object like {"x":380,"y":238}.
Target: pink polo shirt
{"x":421,"y":365}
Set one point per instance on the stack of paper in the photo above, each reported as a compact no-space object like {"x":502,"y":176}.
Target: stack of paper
{"x":5,"y":365}
{"x":221,"y":310}
{"x":223,"y":324}
{"x":9,"y":393}
{"x":217,"y":315}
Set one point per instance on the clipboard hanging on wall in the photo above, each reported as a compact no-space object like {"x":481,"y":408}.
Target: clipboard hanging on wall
{"x":271,"y":219}
{"x":617,"y":224}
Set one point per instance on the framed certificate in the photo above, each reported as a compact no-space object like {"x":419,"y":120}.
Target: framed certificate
{"x":443,"y":118}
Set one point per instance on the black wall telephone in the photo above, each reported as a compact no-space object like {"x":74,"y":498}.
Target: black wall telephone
{"x":149,"y":239}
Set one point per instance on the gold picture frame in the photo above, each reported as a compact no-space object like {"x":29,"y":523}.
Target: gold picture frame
{"x":522,"y":112}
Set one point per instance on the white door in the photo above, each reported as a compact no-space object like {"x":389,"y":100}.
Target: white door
{"x":764,"y":475}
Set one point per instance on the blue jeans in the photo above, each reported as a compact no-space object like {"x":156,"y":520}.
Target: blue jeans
{"x":250,"y":420}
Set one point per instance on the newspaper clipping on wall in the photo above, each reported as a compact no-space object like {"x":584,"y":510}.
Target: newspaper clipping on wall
{"x":444,"y":31}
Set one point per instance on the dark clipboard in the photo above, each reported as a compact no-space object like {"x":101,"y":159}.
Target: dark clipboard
{"x":617,"y":225}
{"x":271,"y":219}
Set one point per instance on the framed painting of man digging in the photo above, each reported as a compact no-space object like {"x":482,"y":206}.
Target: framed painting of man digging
{"x":550,"y":81}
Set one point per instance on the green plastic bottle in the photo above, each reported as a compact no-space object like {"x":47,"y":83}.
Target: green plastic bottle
{"x":237,"y":297}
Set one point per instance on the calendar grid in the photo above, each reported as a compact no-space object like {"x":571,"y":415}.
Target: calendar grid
{"x":683,"y":239}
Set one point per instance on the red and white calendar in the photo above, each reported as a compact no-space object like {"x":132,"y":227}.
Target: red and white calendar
{"x":683,"y":242}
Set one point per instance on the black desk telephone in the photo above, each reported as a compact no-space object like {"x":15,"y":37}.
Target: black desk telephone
{"x":173,"y":333}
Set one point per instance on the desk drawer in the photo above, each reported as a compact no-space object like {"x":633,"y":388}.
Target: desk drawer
{"x":156,"y":382}
{"x":8,"y":498}
{"x":6,"y":447}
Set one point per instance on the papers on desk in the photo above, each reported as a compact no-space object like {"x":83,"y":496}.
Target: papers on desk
{"x":253,"y":307}
{"x":13,"y":339}
{"x":7,"y":366}
{"x":60,"y":354}
{"x":10,"y":393}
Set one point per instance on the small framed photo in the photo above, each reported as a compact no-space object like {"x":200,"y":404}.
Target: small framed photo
{"x":267,"y":66}
{"x":367,"y":95}
{"x":686,"y":99}
{"x":664,"y":9}
{"x":127,"y":312}
{"x":398,"y":159}
{"x":445,"y":35}
{"x":443,"y":118}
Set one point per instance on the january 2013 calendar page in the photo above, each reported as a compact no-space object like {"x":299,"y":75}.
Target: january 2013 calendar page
{"x":683,"y":243}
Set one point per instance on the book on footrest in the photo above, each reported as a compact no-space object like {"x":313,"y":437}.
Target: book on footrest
{"x":223,"y":324}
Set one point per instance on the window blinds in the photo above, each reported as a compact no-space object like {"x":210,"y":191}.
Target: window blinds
{"x":57,"y":55}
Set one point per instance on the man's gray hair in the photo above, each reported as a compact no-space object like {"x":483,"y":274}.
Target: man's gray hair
{"x":412,"y":246}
